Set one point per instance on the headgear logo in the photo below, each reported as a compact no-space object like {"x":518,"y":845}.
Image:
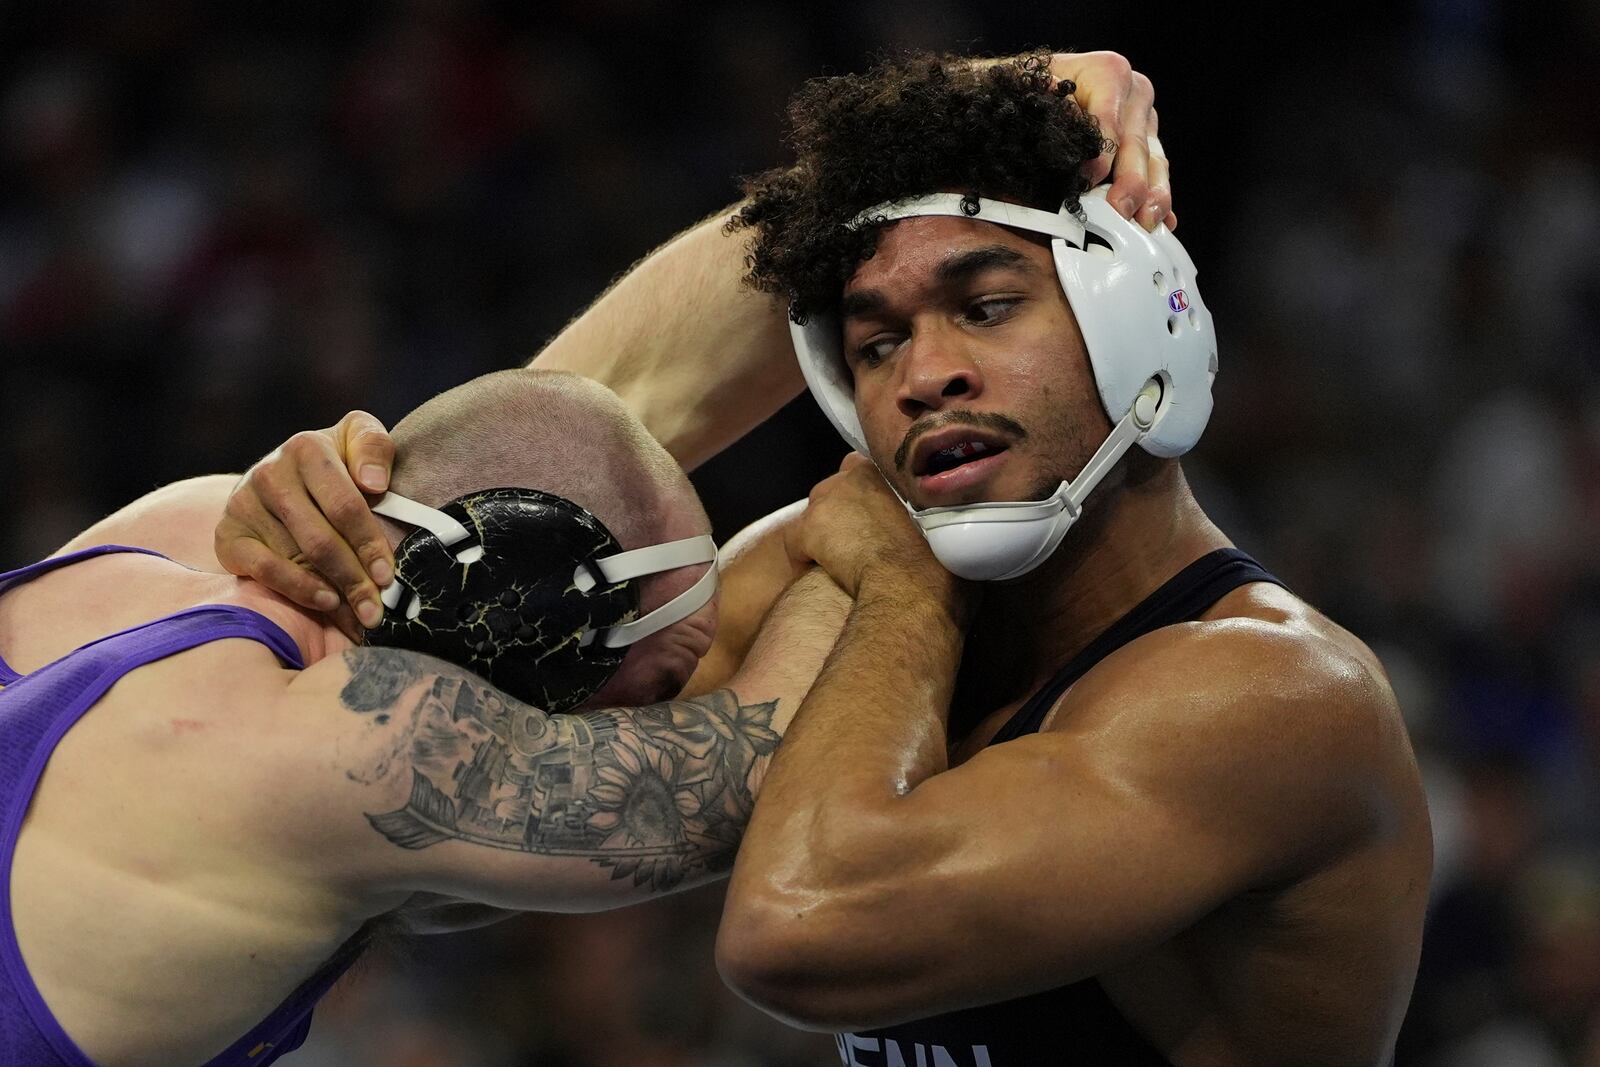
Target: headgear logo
{"x":1178,"y":301}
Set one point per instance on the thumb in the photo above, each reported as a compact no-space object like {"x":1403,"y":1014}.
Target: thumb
{"x":368,"y":450}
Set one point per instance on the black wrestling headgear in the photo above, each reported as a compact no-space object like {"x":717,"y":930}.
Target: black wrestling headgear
{"x":527,"y":589}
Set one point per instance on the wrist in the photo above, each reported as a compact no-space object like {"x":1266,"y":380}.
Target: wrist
{"x":923,"y":589}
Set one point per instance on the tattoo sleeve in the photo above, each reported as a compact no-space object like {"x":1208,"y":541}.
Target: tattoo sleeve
{"x":653,"y":793}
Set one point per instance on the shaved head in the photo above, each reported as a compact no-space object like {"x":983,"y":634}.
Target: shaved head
{"x":548,"y":430}
{"x":568,"y":435}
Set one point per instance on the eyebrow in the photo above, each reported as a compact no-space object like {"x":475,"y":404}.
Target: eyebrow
{"x":977,"y":260}
{"x":861,"y":303}
{"x":955,"y":269}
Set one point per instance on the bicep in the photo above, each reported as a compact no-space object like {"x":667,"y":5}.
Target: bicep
{"x":1057,"y":856}
{"x":1026,"y":868}
{"x":177,"y":520}
{"x":1077,"y":859}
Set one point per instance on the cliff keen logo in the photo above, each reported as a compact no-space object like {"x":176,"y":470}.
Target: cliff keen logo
{"x":1178,"y":301}
{"x":857,"y":1051}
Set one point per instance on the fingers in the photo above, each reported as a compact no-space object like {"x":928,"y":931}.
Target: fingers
{"x":1122,"y":102}
{"x":327,"y":480}
{"x":1130,"y":190}
{"x":249,"y":550}
{"x":1104,"y":81}
{"x":298,"y":524}
{"x":1158,"y":207}
{"x":367,"y":448}
{"x":324,"y":548}
{"x":300,"y":503}
{"x":369,"y":457}
{"x":345,"y":620}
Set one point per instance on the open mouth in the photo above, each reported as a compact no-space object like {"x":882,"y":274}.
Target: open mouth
{"x":956,"y":467}
{"x":957,"y":455}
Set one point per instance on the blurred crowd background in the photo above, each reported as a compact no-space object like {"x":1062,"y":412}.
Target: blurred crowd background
{"x":222,"y":223}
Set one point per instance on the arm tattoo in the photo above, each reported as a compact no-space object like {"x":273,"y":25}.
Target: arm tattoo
{"x":653,"y":793}
{"x":377,"y":679}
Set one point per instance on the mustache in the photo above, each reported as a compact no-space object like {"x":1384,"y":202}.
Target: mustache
{"x":982,"y":419}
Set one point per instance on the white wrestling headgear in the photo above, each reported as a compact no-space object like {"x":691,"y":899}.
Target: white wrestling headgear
{"x":1151,"y":344}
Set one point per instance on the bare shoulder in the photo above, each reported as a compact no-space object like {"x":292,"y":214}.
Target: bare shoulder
{"x":70,"y":606}
{"x":1261,"y":657}
{"x":1263,"y":712}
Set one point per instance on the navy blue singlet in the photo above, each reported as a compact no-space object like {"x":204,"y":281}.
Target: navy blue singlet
{"x":1074,"y":1025}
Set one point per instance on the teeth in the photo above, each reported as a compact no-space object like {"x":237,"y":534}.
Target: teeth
{"x":955,"y":455}
{"x":964,"y":449}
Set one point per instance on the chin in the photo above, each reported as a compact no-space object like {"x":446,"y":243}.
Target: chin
{"x":657,"y":668}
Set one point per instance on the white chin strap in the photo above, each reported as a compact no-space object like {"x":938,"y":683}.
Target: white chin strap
{"x":994,"y":541}
{"x":637,"y":563}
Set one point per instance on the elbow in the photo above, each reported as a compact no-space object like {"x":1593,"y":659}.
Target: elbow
{"x":782,"y":959}
{"x":824,"y":939}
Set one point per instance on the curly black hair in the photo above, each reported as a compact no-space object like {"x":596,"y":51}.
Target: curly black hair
{"x":913,"y":124}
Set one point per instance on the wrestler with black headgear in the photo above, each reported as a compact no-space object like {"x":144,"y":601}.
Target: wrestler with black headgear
{"x":213,"y":799}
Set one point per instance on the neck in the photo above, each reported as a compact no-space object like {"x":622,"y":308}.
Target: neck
{"x":311,"y":632}
{"x":1136,"y":535}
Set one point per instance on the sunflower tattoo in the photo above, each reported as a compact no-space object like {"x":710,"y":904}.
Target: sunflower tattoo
{"x":655,"y":794}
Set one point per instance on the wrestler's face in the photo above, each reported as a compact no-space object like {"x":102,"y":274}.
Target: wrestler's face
{"x":972,"y":382}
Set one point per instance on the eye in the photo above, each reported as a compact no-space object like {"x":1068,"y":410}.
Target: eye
{"x":992,"y":309}
{"x":876,"y":351}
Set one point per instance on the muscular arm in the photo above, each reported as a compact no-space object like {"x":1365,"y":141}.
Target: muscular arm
{"x":434,"y":781}
{"x":702,"y":360}
{"x":698,"y":357}
{"x":176,"y":520}
{"x":877,"y":884}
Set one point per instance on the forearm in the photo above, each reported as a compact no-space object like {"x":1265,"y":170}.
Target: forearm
{"x":817,"y":893}
{"x":790,"y":650}
{"x":177,"y":520}
{"x":571,"y":811}
{"x":756,"y":572}
{"x":697,"y":356}
{"x":871,"y":729}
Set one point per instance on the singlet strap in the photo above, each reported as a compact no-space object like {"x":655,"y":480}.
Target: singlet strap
{"x":21,"y":575}
{"x":288,"y":1025}
{"x":1182,"y":598}
{"x":65,"y":690}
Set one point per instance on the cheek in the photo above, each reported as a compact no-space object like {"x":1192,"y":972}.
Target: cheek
{"x":880,"y":424}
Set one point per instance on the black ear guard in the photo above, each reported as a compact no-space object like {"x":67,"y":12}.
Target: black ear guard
{"x":527,"y":589}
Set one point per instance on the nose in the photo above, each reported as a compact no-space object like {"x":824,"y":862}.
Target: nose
{"x":935,"y":369}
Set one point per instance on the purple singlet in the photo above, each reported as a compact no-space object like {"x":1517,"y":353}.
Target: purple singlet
{"x":36,"y":711}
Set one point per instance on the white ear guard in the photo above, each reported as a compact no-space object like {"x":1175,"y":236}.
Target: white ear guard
{"x":1151,"y":344}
